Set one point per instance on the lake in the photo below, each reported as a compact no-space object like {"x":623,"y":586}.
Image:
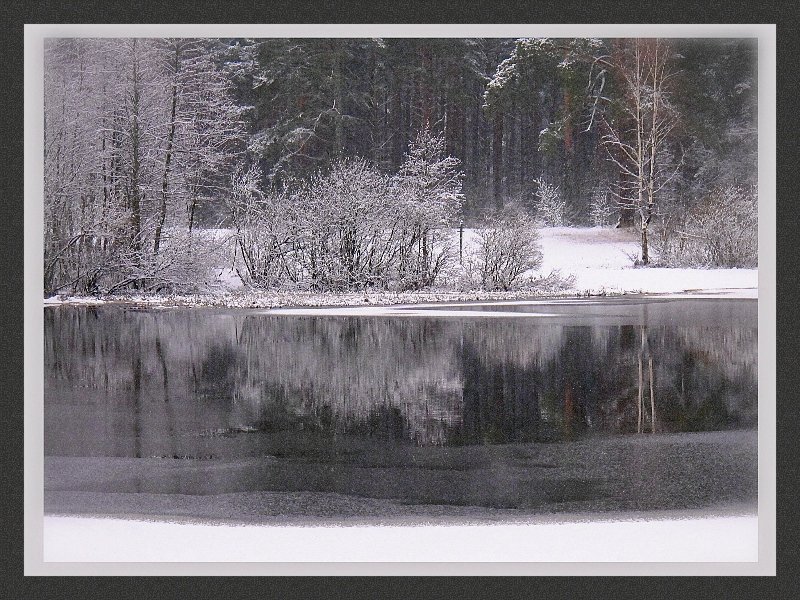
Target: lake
{"x":490,"y":410}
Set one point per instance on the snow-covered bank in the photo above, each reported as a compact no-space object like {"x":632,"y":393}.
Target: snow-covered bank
{"x":599,"y":259}
{"x":602,"y":261}
{"x":280,"y":299}
{"x":701,"y":539}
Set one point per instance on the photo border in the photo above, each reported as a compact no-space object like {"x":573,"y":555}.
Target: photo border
{"x":33,"y":321}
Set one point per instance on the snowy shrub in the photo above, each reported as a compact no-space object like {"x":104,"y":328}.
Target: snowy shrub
{"x":730,"y":223}
{"x":428,"y":191}
{"x":265,"y":244}
{"x":349,"y":222}
{"x":601,"y":207}
{"x":553,"y":283}
{"x":184,"y":263}
{"x":507,"y":246}
{"x":352,"y":226}
{"x":722,"y":232}
{"x":551,"y":209}
{"x":263,"y":231}
{"x":106,"y":263}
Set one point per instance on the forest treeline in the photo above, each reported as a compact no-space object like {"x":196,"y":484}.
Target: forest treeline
{"x":344,"y":163}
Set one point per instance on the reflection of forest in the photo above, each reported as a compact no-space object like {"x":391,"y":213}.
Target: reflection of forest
{"x":434,"y":381}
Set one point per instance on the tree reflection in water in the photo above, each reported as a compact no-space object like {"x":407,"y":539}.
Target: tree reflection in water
{"x":147,"y":376}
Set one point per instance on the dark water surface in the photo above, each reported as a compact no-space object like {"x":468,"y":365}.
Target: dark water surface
{"x":575,"y":406}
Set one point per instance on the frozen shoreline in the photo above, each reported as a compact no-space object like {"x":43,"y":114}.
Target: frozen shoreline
{"x":308,"y":300}
{"x":598,"y":259}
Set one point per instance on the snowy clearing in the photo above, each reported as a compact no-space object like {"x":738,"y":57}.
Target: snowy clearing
{"x":704,"y":539}
{"x":600,"y":259}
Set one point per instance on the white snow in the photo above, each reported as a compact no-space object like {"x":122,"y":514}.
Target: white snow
{"x":705,"y":539}
{"x":228,"y":279}
{"x":56,"y":300}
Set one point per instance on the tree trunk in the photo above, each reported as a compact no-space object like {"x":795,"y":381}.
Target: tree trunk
{"x":425,"y":94}
{"x":468,"y":136}
{"x":190,"y":212}
{"x":168,"y":156}
{"x":645,"y":250}
{"x":497,"y":160}
{"x":517,"y":167}
{"x":397,"y":129}
{"x":134,"y":191}
{"x":338,"y":100}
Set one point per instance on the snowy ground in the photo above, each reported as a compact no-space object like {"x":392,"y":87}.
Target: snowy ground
{"x":600,"y":259}
{"x":703,"y":539}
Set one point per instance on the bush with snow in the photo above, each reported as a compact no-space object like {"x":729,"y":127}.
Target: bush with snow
{"x":551,"y":208}
{"x":351,"y":227}
{"x":601,"y":207}
{"x":720,"y":232}
{"x":346,"y":224}
{"x":507,"y":246}
{"x":263,"y":226}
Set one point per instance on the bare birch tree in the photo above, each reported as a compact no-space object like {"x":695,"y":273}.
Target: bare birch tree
{"x":638,"y":127}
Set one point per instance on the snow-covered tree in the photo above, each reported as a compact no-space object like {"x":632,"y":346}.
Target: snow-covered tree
{"x":100,"y":154}
{"x":551,"y":209}
{"x":428,"y":190}
{"x":134,"y":129}
{"x":210,"y":135}
{"x":70,"y":151}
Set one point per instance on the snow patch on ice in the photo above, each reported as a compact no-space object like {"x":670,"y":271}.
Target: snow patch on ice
{"x":403,"y":311}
